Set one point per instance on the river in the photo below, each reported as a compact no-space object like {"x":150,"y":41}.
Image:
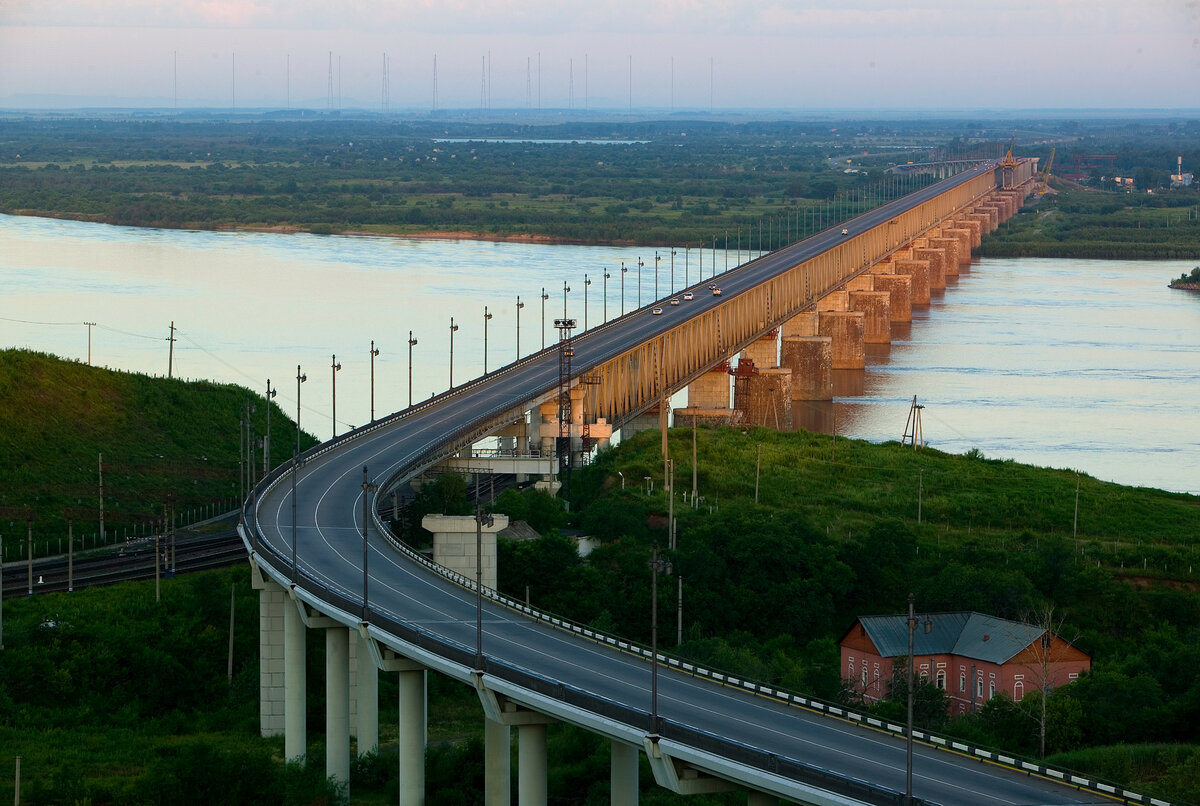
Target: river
{"x":1083,"y":364}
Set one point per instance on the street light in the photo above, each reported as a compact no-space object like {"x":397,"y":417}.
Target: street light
{"x":605,"y":305}
{"x":545,"y":297}
{"x":453,"y":329}
{"x":520,"y":305}
{"x":586,"y":283}
{"x":686,"y":249}
{"x":912,"y":629}
{"x":335,"y":367}
{"x":481,"y":520}
{"x":672,"y":270}
{"x":267,"y":445}
{"x":640,"y":264}
{"x":656,"y":565}
{"x":300,"y":378}
{"x":368,"y":488}
{"x":374,"y":353}
{"x":486,"y":317}
{"x":411,"y":343}
{"x":624,"y":271}
{"x":657,"y":258}
{"x":566,"y":290}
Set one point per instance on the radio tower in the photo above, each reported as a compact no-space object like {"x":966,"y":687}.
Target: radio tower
{"x":329,"y":88}
{"x":435,"y":98}
{"x":387,"y":90}
{"x":571,"y":84}
{"x":528,"y":82}
{"x":482,"y":82}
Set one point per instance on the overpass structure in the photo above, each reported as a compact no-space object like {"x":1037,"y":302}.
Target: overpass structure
{"x":324,"y":560}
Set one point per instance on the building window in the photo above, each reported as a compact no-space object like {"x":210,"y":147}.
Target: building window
{"x":1018,"y":691}
{"x":962,"y":681}
{"x":941,"y":679}
{"x":979,"y":687}
{"x":992,"y":689}
{"x":864,"y":675}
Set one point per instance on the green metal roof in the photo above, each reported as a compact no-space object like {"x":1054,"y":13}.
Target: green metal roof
{"x":969,"y":635}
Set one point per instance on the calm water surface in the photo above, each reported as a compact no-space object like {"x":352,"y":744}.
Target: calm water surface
{"x":1083,"y":364}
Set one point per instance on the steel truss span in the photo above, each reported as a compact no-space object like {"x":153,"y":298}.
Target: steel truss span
{"x":732,"y":730}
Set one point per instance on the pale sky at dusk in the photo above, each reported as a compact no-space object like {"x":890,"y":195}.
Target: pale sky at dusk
{"x":857,"y":54}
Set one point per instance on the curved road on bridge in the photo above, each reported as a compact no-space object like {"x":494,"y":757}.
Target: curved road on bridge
{"x":326,"y":541}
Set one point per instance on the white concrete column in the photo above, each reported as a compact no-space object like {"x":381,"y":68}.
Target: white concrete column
{"x":623,"y":775}
{"x":295,"y":684}
{"x":412,"y":737}
{"x":337,"y":703}
{"x":497,"y":763}
{"x":531,"y":765}
{"x":366,"y":691}
{"x":272,"y":598}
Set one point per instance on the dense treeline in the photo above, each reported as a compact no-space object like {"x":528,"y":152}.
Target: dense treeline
{"x":769,"y":588}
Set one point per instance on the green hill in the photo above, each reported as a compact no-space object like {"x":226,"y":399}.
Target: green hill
{"x":163,"y":443}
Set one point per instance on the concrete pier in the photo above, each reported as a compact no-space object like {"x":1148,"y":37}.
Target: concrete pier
{"x":765,"y":397}
{"x":899,"y":289}
{"x":802,"y":324}
{"x":936,"y":258}
{"x":295,"y":679}
{"x":918,"y":273}
{"x":454,"y":541}
{"x":875,"y":306}
{"x":764,"y":352}
{"x":846,"y":331}
{"x":810,"y":358}
{"x":623,"y":774}
{"x":950,"y":247}
{"x":337,"y":704}
{"x":710,"y":390}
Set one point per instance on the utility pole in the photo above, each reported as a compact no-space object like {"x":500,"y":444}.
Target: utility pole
{"x":90,"y":325}
{"x":171,"y":351}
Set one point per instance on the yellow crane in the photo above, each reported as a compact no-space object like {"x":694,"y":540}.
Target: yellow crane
{"x":1046,"y":173}
{"x":1009,"y":160}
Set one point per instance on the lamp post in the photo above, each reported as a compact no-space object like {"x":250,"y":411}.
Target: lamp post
{"x":605,"y":305}
{"x":481,"y":520}
{"x":520,"y":305}
{"x":566,"y":290}
{"x":640,"y":265}
{"x":686,"y":249}
{"x":657,"y":258}
{"x":374,"y":352}
{"x":335,"y":367}
{"x":624,"y":271}
{"x":300,"y":378}
{"x":586,"y":282}
{"x":411,"y":343}
{"x":486,"y":317}
{"x":545,"y":297}
{"x":453,"y":329}
{"x":267,"y":444}
{"x":912,"y":629}
{"x":672,"y":270}
{"x":367,"y":488}
{"x":656,"y":565}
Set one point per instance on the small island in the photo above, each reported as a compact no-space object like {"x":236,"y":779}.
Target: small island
{"x":1188,"y":282}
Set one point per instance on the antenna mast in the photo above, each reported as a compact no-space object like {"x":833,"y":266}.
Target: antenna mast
{"x":435,"y":97}
{"x":329,"y":87}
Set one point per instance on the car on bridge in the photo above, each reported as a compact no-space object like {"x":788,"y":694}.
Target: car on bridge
{"x":845,"y":231}
{"x":716,"y":291}
{"x":688,"y":297}
{"x":656,"y":312}
{"x":675,"y":300}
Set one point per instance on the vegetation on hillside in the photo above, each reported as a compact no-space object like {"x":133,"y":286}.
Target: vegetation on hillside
{"x":163,"y":443}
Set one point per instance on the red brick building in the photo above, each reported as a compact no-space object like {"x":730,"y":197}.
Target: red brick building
{"x":970,"y":656}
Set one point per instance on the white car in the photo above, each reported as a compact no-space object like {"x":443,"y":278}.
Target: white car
{"x":845,"y":231}
{"x":688,"y":297}
{"x":675,"y":301}
{"x":656,"y":312}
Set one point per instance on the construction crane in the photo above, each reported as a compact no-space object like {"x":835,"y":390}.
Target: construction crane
{"x":1045,"y":177}
{"x":1009,"y":160}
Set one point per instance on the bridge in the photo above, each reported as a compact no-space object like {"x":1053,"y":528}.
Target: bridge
{"x":324,"y":560}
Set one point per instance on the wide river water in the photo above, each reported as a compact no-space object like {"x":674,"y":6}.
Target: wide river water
{"x":1084,"y":364}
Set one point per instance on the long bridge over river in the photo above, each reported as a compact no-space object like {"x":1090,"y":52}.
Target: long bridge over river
{"x":324,"y":560}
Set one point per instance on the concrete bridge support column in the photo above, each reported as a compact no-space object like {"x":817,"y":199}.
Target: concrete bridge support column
{"x":802,"y":324}
{"x":497,"y":763}
{"x":950,"y":247}
{"x":411,"y":735}
{"x":964,"y":243}
{"x":623,"y":775}
{"x":765,"y":398}
{"x":984,"y":219}
{"x":531,"y":764}
{"x":272,"y":599}
{"x":648,"y":420}
{"x":936,"y":258}
{"x":834,"y":301}
{"x":899,"y":289}
{"x":366,"y":696}
{"x":846,"y":331}
{"x":295,"y":683}
{"x":764,"y":352}
{"x":710,"y":390}
{"x":973,"y":227}
{"x":875,"y":306}
{"x":454,"y":541}
{"x":810,"y":358}
{"x":337,"y":704}
{"x":862,"y":282}
{"x":918,"y":271}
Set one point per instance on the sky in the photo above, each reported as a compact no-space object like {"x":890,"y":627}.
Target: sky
{"x":615,"y":54}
